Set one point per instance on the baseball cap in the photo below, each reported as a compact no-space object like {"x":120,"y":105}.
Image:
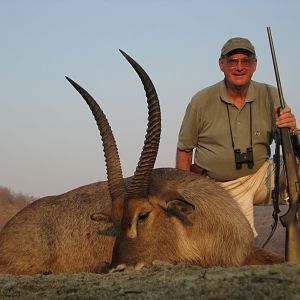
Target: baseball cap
{"x":237,"y":43}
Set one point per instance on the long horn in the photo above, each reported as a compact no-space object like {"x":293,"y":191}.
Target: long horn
{"x":140,"y":182}
{"x":116,"y":184}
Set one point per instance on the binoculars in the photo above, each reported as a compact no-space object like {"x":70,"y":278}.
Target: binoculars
{"x":243,"y":158}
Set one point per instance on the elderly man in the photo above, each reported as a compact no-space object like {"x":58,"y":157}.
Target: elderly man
{"x":230,"y":127}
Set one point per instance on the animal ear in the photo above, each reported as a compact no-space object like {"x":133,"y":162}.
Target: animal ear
{"x":101,"y":217}
{"x":105,"y":217}
{"x":176,"y":202}
{"x":181,"y":205}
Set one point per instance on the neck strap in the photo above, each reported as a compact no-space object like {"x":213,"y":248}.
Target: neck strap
{"x":231,"y":135}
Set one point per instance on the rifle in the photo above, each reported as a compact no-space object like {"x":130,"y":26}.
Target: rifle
{"x":290,"y":219}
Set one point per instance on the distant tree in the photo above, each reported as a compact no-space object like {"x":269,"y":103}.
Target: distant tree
{"x":11,"y":203}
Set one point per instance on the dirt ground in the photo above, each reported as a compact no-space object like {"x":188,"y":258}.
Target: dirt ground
{"x":263,"y":221}
{"x":164,"y":281}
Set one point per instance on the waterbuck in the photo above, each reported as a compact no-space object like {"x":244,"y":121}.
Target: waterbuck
{"x":157,"y":214}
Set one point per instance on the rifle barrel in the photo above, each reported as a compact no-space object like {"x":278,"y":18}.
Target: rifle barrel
{"x":276,"y":68}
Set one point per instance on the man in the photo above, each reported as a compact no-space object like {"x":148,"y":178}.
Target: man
{"x":230,"y":126}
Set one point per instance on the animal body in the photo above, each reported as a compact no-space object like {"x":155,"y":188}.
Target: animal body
{"x":57,"y":234}
{"x":164,"y":214}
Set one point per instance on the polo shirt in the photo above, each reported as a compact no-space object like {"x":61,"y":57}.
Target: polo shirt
{"x":211,"y":116}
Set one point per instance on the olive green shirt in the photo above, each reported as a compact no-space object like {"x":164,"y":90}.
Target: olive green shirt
{"x":209,"y":118}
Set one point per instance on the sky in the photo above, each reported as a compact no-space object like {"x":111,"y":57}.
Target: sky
{"x":49,"y":142}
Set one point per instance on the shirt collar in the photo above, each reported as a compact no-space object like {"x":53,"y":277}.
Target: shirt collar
{"x":250,"y":97}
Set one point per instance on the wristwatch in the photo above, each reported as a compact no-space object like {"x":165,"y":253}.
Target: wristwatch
{"x":295,"y":131}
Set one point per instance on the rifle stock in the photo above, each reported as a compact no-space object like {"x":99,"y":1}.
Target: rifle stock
{"x":290,"y":219}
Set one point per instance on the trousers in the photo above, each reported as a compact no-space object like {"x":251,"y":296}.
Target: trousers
{"x":256,"y":189}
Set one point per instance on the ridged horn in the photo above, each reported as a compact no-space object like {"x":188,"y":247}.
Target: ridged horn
{"x":140,"y":182}
{"x":116,"y":184}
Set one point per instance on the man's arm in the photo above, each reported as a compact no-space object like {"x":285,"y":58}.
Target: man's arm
{"x":184,"y":159}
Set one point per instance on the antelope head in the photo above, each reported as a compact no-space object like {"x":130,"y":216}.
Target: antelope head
{"x":129,"y":205}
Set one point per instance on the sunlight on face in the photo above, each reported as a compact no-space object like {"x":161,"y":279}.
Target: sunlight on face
{"x":238,"y":69}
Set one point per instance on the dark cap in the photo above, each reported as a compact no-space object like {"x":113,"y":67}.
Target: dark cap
{"x":237,"y":43}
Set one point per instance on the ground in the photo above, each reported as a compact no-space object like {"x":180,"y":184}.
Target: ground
{"x":164,"y":281}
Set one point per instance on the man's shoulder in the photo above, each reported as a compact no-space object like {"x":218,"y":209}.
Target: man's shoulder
{"x":263,"y":86}
{"x":266,"y":91}
{"x":206,"y":94}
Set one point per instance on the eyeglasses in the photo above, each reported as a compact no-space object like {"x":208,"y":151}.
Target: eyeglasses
{"x":234,"y":62}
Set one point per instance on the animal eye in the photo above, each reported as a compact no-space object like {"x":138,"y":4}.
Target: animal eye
{"x":143,"y":216}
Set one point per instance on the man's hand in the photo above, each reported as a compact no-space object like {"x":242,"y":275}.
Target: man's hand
{"x":285,"y":118}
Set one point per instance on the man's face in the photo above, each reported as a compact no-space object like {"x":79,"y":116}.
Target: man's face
{"x":238,"y":69}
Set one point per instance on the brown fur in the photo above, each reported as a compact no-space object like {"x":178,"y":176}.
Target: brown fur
{"x":213,"y":232}
{"x":56,"y":234}
{"x":260,"y":256}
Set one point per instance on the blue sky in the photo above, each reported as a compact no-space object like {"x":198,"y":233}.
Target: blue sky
{"x":49,"y":139}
